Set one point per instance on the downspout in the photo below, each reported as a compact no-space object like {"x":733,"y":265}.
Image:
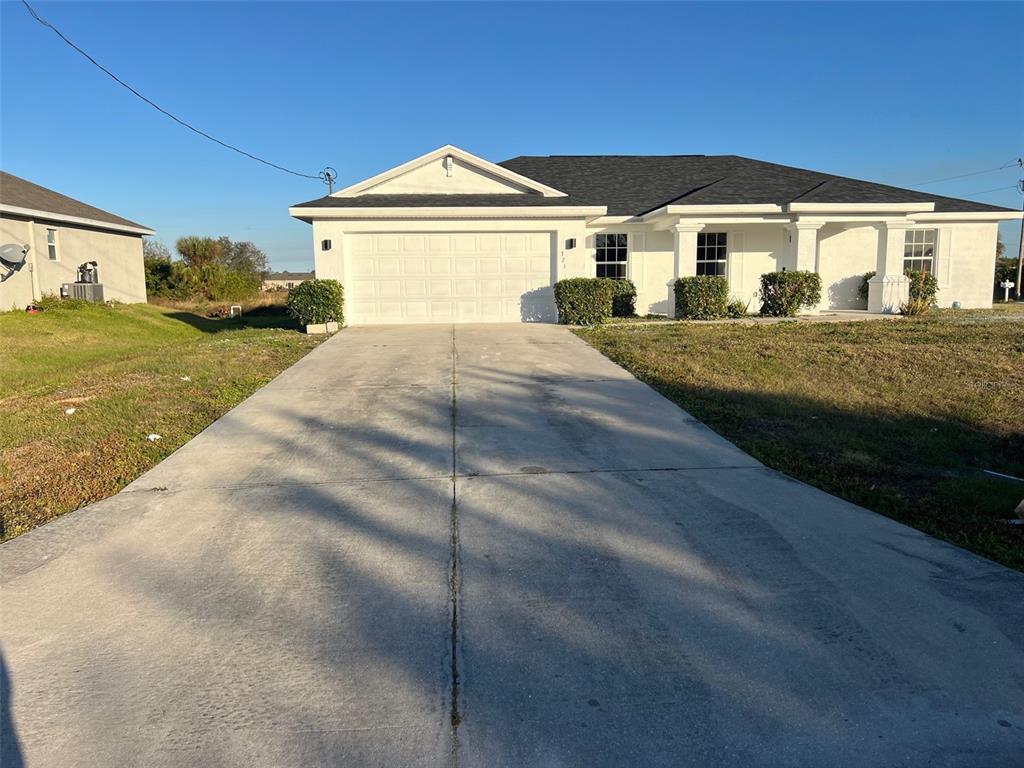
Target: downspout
{"x":33,"y":264}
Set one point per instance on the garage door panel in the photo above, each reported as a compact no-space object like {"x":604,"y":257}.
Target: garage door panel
{"x":449,"y":277}
{"x":414,"y":265}
{"x":440,"y":288}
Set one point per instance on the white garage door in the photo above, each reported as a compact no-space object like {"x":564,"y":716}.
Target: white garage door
{"x":451,"y":277}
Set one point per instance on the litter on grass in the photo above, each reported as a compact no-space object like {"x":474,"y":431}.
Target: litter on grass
{"x":153,"y":438}
{"x":186,"y":378}
{"x":69,"y":411}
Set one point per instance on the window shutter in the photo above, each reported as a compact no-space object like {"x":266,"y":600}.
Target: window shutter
{"x":735,"y":243}
{"x":943,"y":257}
{"x":635,"y":259}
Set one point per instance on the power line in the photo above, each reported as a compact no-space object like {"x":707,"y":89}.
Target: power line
{"x":321,"y":176}
{"x":964,"y":175}
{"x":986,"y":191}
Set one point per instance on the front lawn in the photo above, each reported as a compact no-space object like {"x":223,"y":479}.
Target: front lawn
{"x":901,"y":416}
{"x":128,"y":371}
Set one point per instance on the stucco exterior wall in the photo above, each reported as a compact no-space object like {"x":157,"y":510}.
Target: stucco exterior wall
{"x":118,"y":256}
{"x":967,"y":259}
{"x":845,"y":254}
{"x":846,"y":250}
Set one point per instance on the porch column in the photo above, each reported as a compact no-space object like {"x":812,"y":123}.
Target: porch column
{"x":889,"y":287}
{"x":803,"y":247}
{"x":684,"y":262}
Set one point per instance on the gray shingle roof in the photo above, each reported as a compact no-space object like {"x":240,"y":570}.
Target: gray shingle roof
{"x":636,"y":184}
{"x":21,"y":193}
{"x":630,"y":185}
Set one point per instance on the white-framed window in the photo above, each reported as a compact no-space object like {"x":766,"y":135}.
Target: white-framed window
{"x":919,"y":250}
{"x":611,"y":255}
{"x":51,"y":244}
{"x":711,"y":253}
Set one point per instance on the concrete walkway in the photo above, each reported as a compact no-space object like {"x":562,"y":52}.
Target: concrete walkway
{"x":489,"y":546}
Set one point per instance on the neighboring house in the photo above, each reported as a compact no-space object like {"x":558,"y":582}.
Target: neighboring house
{"x":63,"y":233}
{"x":282,"y":281}
{"x":451,"y":237}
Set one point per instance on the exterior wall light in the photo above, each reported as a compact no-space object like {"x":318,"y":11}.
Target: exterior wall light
{"x":325,"y":245}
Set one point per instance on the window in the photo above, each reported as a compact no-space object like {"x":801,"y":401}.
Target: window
{"x":711,"y":251}
{"x":919,"y":250}
{"x":51,"y":244}
{"x":611,"y":256}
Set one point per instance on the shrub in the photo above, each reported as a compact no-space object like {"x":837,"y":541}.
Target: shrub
{"x":703,"y":297}
{"x":923,"y":286}
{"x":915,"y":306}
{"x":864,"y":288}
{"x":317,"y":301}
{"x":623,"y":297}
{"x":736,"y":309}
{"x":783,"y":294}
{"x":583,"y":300}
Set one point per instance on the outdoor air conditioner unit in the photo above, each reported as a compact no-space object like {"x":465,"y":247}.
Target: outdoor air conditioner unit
{"x":84,"y":291}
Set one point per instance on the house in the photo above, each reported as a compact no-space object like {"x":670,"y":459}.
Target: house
{"x":283,"y":281}
{"x":451,"y":237}
{"x":63,"y":234}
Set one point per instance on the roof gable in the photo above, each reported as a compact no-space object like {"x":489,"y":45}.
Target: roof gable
{"x":449,"y":170}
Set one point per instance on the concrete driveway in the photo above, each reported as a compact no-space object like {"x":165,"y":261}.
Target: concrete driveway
{"x":489,"y":546}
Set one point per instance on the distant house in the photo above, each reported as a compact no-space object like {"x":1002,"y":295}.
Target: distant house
{"x":282,"y":281}
{"x":62,"y":234}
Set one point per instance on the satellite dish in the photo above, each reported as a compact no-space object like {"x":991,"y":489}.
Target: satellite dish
{"x":13,"y":256}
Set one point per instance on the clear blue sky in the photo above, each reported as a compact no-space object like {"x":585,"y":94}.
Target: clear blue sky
{"x":894,"y":93}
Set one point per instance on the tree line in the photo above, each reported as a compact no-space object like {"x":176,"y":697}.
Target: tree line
{"x":216,"y":269}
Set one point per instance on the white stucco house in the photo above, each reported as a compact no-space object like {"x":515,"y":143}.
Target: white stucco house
{"x":63,"y":233}
{"x":451,"y":237}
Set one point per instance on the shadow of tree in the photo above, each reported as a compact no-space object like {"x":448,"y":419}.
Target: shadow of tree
{"x":10,"y":747}
{"x":263,"y":318}
{"x":287,"y":601}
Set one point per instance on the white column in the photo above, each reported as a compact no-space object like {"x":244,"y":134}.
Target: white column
{"x":684,"y":263}
{"x":804,"y":245}
{"x":889,"y":287}
{"x":803,"y":250}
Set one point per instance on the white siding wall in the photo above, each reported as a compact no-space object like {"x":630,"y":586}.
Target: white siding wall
{"x":119,"y":259}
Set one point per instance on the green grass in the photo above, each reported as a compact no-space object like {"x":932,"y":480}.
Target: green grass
{"x":901,"y":416}
{"x":121,"y":367}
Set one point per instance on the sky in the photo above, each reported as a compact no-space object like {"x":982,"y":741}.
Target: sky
{"x":896,"y":93}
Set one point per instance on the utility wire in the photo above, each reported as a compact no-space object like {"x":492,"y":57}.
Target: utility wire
{"x":964,"y":175}
{"x":986,"y":191}
{"x":157,"y":107}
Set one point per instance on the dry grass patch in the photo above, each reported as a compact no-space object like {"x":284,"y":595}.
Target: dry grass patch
{"x":128,"y":372}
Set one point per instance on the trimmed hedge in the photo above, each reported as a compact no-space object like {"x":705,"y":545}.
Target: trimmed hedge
{"x":623,"y":297}
{"x":317,"y":301}
{"x":923,"y":286}
{"x":783,"y":294}
{"x":864,"y":288}
{"x":702,"y":297}
{"x":584,"y":300}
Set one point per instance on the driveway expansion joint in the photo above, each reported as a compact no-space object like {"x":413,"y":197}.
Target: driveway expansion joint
{"x":454,"y":574}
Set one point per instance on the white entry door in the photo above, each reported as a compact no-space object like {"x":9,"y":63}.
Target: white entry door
{"x":449,"y":277}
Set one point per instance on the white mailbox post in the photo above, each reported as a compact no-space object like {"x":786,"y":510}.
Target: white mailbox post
{"x":1006,"y":285}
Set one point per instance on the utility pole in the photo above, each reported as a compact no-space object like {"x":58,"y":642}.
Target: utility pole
{"x":327,"y":176}
{"x":1020,"y":245}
